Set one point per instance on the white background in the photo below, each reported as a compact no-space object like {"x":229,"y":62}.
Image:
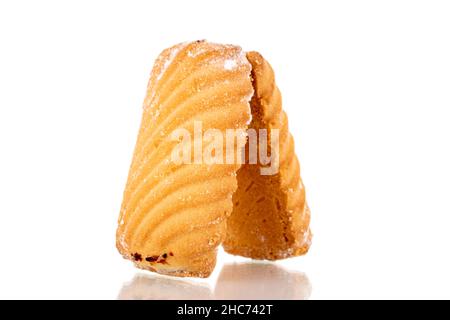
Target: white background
{"x":366,"y":85}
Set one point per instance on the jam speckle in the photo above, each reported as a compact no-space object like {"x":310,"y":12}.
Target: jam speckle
{"x":152,"y":258}
{"x":171,"y":253}
{"x":159,"y":259}
{"x":137,"y":257}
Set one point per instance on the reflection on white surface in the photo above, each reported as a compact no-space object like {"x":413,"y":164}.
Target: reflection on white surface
{"x":239,"y":281}
{"x":258,"y":281}
{"x":153,"y":287}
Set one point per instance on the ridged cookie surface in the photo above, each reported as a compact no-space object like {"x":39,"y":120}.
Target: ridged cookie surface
{"x":173,"y":215}
{"x":270,"y":218}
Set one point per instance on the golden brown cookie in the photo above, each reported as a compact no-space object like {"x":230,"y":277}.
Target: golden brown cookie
{"x":270,"y":218}
{"x":173,"y":216}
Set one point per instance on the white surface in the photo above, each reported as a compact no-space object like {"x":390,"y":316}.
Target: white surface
{"x":366,"y":85}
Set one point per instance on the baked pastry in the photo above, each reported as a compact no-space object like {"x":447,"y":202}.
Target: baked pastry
{"x":275,"y":204}
{"x":174,"y":215}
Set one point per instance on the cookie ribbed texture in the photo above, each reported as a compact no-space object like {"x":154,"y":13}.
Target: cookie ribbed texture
{"x":173,"y":216}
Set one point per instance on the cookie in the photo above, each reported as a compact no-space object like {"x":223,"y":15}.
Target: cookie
{"x":173,"y":215}
{"x":177,"y":211}
{"x":270,"y":218}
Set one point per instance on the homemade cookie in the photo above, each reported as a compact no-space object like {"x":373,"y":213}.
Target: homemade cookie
{"x":270,"y":218}
{"x":173,"y":216}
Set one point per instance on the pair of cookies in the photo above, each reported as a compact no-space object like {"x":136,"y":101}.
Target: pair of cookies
{"x":175,"y":214}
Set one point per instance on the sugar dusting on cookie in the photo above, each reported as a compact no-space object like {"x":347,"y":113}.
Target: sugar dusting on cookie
{"x":230,"y":64}
{"x":173,"y":53}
